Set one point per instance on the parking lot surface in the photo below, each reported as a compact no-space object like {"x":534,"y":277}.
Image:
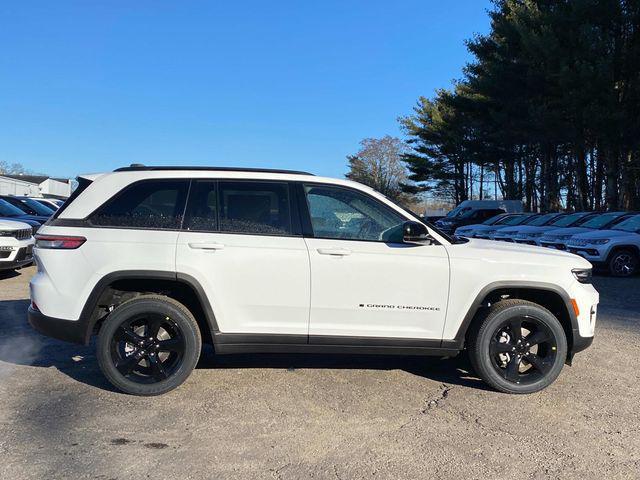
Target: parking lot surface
{"x":322,"y":417}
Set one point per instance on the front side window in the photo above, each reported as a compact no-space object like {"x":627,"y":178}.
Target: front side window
{"x":152,"y":204}
{"x":259,"y":208}
{"x":345,"y":214}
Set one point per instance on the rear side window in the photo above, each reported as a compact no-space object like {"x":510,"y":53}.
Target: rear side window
{"x":260,"y":208}
{"x":202,"y":214}
{"x":153,"y":204}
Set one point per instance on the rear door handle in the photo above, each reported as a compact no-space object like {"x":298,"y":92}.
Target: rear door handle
{"x":206,"y":246}
{"x":341,"y":252}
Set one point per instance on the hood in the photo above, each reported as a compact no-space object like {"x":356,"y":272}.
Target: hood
{"x":13,"y":225}
{"x":501,"y":252}
{"x":598,"y":234}
{"x":562,"y":232}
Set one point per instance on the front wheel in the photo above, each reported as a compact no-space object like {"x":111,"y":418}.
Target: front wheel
{"x":623,"y":263}
{"x":519,"y":347}
{"x":149,"y":345}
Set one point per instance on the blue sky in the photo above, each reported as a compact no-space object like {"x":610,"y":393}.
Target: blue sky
{"x":89,"y":86}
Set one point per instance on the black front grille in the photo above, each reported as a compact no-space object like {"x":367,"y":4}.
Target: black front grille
{"x":23,"y":234}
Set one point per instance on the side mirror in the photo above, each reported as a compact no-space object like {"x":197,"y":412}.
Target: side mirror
{"x":416,"y":233}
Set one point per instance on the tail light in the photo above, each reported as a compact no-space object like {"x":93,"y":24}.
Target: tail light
{"x":59,"y":242}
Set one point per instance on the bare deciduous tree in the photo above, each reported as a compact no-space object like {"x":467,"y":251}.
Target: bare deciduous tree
{"x":379,"y":165}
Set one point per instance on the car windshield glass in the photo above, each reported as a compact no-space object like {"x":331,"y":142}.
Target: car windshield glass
{"x":567,"y":220}
{"x":38,"y":207}
{"x":515,"y":220}
{"x":542,"y":220}
{"x":601,"y":220}
{"x":495,"y":219}
{"x":8,"y":210}
{"x":630,"y":225}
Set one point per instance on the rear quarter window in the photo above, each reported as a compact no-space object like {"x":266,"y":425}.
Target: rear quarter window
{"x":149,"y":204}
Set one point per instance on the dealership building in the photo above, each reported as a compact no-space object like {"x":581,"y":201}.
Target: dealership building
{"x":35,"y":186}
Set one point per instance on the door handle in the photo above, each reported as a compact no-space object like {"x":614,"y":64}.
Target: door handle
{"x":206,"y":246}
{"x":341,"y":252}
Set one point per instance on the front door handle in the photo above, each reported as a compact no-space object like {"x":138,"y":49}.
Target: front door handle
{"x":341,"y":252}
{"x":206,"y":246}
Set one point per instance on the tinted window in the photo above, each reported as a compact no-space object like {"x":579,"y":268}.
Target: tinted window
{"x":260,"y":208}
{"x":201,"y":214}
{"x":8,"y":210}
{"x":25,"y":209}
{"x":632,"y":224}
{"x":342,"y":213}
{"x":568,"y":220}
{"x":600,"y":221}
{"x":148,"y":204}
{"x":37,"y":207}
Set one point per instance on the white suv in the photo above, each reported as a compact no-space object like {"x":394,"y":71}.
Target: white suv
{"x":156,"y":260}
{"x":16,"y":244}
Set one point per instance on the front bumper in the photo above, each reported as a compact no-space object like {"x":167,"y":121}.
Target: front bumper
{"x":16,"y":258}
{"x":74,"y":331}
{"x":588,"y":253}
{"x":556,"y":245}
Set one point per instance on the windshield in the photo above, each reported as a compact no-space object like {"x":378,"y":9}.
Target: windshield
{"x":567,"y":220}
{"x":458,"y":212}
{"x":494,"y":219}
{"x":515,"y":220}
{"x":542,"y":219}
{"x":38,"y":207}
{"x":630,"y":225}
{"x":8,"y":210}
{"x":600,"y":221}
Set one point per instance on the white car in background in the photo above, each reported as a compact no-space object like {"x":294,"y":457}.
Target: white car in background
{"x":558,"y":238}
{"x":484,"y":230}
{"x":16,"y":244}
{"x":617,"y":249}
{"x":508,"y":234}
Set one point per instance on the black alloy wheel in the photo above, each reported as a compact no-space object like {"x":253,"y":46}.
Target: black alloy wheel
{"x":148,"y":345}
{"x":523,"y":350}
{"x":147,"y":348}
{"x":518,"y":346}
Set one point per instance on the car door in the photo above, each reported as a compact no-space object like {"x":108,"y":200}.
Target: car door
{"x":365,"y":281}
{"x":241,"y":242}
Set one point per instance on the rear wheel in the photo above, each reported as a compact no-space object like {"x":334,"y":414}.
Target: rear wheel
{"x":149,"y":345}
{"x":623,"y":263}
{"x":519,"y":347}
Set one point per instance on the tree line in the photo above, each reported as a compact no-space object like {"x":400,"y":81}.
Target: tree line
{"x":547,"y":111}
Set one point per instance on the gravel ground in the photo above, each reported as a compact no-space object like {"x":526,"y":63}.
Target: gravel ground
{"x":333,"y":417}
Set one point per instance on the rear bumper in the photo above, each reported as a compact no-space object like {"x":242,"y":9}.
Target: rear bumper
{"x":74,"y":331}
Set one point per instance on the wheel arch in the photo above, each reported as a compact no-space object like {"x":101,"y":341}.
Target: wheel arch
{"x":116,"y":287}
{"x":617,"y":248}
{"x":548,"y":295}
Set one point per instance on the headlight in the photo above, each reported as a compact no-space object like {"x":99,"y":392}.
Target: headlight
{"x":583,"y":275}
{"x":600,"y":241}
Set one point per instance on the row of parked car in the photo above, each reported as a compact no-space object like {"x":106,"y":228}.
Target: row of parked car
{"x":20,"y":218}
{"x":610,"y":240}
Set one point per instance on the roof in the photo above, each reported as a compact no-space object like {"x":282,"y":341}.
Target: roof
{"x":38,"y":179}
{"x":138,"y":168}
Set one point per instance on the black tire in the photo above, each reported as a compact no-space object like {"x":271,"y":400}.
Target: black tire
{"x":520,"y":367}
{"x":138,"y":361}
{"x":623,"y":263}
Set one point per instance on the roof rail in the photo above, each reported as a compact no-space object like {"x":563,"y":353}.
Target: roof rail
{"x":137,"y":167}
